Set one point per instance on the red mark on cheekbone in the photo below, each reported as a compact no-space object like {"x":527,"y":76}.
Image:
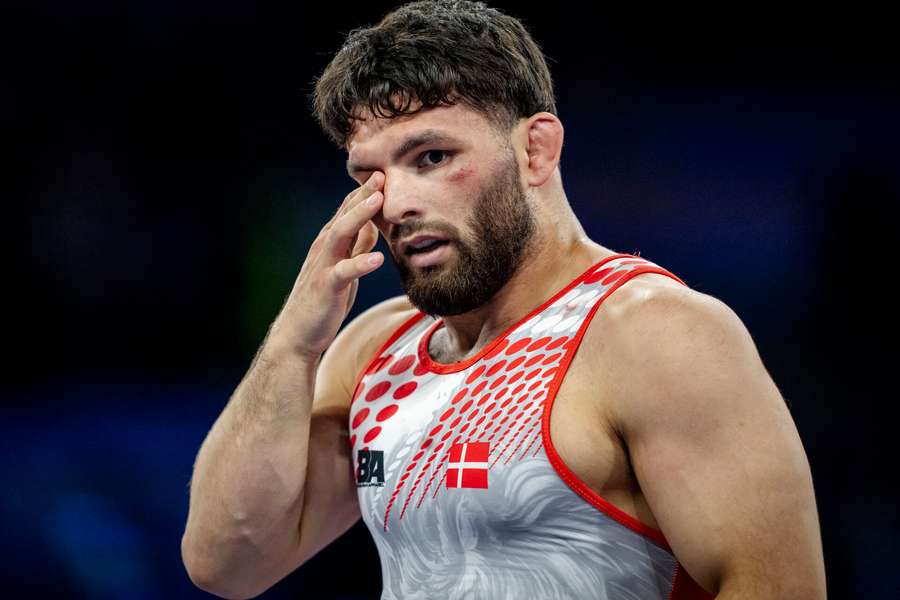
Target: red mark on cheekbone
{"x":461,"y":173}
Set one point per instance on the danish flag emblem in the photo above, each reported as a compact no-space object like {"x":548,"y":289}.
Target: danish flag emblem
{"x":468,"y":466}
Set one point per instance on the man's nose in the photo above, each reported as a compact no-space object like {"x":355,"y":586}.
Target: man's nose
{"x":401,"y":201}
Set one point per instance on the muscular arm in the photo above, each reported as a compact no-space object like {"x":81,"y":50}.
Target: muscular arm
{"x":275,"y":456}
{"x":715,"y":450}
{"x":272,"y":483}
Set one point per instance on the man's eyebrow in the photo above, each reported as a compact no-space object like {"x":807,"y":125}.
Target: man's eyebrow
{"x":429,"y":136}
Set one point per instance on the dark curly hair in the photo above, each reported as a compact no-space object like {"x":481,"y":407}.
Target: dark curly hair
{"x":435,"y":53}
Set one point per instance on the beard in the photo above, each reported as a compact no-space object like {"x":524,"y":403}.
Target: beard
{"x":502,"y":226}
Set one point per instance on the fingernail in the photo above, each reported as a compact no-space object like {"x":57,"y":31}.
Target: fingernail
{"x":374,"y":259}
{"x":371,"y":199}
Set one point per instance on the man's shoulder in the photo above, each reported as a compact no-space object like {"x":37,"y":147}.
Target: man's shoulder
{"x":361,"y":337}
{"x":652,"y":308}
{"x":379,"y":321}
{"x":651,"y":320}
{"x":653,"y":337}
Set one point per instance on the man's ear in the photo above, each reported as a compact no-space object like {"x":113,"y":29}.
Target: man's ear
{"x":542,"y":139}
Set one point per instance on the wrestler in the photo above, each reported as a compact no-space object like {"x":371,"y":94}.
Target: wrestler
{"x":538,"y":416}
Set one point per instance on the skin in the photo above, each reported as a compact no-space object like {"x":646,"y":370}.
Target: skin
{"x":685,"y":429}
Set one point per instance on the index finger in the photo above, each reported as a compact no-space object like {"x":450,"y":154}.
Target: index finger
{"x":372,"y":185}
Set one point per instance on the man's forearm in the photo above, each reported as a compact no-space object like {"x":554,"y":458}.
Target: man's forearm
{"x":247,"y":487}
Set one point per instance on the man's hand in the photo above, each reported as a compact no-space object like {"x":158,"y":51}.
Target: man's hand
{"x":325,"y":289}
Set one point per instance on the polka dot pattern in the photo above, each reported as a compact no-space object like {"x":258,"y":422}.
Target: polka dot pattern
{"x":414,"y":414}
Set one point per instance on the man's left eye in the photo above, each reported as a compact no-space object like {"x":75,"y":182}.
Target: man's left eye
{"x":432,"y":157}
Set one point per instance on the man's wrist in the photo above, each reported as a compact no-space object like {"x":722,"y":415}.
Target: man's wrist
{"x":278,"y":350}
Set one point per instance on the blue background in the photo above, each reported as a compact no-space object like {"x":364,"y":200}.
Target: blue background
{"x":163,"y":179}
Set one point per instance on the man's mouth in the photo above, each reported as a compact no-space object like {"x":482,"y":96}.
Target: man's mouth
{"x":425,"y":246}
{"x":426,"y":250}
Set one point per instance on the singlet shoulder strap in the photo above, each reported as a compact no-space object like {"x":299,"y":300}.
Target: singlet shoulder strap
{"x":596,"y":287}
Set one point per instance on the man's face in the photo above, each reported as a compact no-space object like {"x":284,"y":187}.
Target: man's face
{"x":455,"y":215}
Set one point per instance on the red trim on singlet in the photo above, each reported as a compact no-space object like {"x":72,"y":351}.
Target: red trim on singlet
{"x":562,"y":469}
{"x":436,"y":367}
{"x":394,"y":337}
{"x":685,"y":588}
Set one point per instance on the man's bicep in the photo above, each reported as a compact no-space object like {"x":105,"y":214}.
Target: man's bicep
{"x":718,"y":457}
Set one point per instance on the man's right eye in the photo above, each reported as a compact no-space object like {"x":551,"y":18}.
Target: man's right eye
{"x":432,"y":158}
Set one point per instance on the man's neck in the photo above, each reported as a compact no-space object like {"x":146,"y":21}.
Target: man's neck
{"x":548,"y":266}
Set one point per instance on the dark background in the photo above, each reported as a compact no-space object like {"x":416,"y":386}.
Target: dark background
{"x":162,"y":180}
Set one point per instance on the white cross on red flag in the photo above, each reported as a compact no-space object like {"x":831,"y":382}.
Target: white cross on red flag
{"x":468,"y":466}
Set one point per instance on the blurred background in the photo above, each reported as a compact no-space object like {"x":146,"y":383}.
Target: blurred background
{"x":163,"y":179}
